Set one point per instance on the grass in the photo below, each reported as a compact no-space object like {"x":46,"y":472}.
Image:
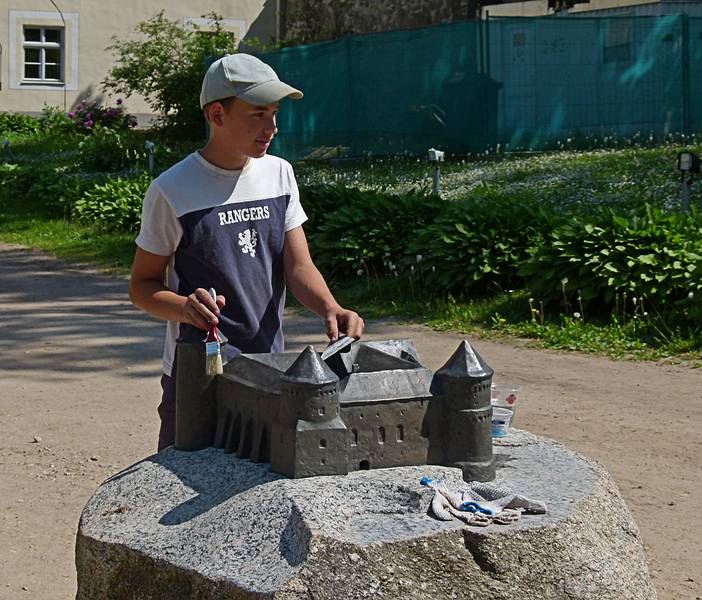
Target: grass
{"x":506,"y":315}
{"x":28,"y":226}
{"x":611,"y":340}
{"x":565,"y":180}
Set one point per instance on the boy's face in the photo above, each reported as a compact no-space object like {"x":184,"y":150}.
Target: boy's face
{"x":247,"y":128}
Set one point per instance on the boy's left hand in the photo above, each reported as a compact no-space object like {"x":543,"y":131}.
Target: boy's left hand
{"x":339,"y":320}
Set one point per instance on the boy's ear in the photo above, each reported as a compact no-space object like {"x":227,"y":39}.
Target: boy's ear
{"x":216,"y":113}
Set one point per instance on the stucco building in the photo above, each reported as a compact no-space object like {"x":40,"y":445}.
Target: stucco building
{"x":54,"y":52}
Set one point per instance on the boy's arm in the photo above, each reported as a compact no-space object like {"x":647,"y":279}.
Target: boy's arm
{"x":307,"y":284}
{"x":146,"y":290}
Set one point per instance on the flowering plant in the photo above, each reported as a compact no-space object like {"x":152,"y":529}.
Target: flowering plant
{"x":89,"y":114}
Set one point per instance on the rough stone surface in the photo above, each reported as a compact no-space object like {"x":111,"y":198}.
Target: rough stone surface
{"x":209,"y":526}
{"x":316,"y":20}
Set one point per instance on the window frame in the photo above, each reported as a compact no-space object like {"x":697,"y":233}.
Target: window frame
{"x":237,"y":27}
{"x":42,"y":45}
{"x":70,"y":22}
{"x":617,"y":48}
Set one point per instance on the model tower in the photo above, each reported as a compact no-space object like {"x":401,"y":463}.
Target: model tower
{"x":464,"y":385}
{"x":308,"y":436}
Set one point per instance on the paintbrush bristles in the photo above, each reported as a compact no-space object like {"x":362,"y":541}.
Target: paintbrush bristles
{"x":214,"y":365}
{"x":213,"y":362}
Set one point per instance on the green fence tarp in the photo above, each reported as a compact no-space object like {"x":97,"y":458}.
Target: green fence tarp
{"x":467,"y":87}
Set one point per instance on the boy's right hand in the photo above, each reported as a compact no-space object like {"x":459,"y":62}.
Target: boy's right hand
{"x":200,"y":310}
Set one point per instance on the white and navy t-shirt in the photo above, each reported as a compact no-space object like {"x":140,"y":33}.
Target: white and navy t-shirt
{"x":226,"y":229}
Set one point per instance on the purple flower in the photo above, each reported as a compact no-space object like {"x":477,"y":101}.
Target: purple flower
{"x":89,"y":123}
{"x":119,"y":101}
{"x":71,"y":115}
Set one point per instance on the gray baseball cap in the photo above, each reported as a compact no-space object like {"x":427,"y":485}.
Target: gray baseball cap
{"x":245,"y":77}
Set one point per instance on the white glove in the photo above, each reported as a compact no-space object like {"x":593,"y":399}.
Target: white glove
{"x":442,"y":509}
{"x":481,"y":504}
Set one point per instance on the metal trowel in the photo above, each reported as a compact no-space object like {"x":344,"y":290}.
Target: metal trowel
{"x":338,"y":346}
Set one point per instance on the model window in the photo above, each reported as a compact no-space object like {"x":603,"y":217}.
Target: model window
{"x":43,"y":53}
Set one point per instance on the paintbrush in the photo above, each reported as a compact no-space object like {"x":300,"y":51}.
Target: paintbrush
{"x":213,"y":347}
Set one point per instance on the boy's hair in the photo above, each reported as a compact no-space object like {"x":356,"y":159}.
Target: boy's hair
{"x":225,"y":102}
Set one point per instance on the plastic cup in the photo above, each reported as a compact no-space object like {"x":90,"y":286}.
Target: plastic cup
{"x":501,"y":418}
{"x":506,"y":395}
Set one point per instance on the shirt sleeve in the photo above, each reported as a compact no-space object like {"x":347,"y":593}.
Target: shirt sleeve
{"x":295,"y":214}
{"x":161,"y":230}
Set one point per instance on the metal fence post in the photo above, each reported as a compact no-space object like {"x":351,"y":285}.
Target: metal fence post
{"x":686,"y":74}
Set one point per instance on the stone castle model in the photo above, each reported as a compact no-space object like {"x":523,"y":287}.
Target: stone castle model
{"x":370,"y":407}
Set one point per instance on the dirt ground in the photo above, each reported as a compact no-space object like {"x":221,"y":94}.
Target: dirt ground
{"x":79,"y":387}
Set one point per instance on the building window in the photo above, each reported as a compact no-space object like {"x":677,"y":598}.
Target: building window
{"x":43,"y":50}
{"x":205,"y":26}
{"x":617,"y":42}
{"x":43,"y":53}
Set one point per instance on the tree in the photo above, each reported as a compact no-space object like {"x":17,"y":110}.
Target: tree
{"x":165,"y":65}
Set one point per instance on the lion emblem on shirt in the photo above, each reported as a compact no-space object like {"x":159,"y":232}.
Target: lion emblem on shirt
{"x":248,"y":240}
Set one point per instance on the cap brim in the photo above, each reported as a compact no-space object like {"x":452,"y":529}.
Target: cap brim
{"x":269,"y":92}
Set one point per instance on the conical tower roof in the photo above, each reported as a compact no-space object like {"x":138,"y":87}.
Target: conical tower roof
{"x":465,"y":362}
{"x":309,"y":368}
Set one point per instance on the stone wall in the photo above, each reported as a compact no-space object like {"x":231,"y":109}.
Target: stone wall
{"x":308,"y":21}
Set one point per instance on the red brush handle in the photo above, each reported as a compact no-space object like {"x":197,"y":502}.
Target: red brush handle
{"x":213,"y":334}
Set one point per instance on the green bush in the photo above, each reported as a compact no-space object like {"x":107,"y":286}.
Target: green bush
{"x":470,"y":246}
{"x":319,"y":201}
{"x":110,"y":150}
{"x":54,"y":121}
{"x":351,"y":230}
{"x":51,"y":189}
{"x":30,"y":181}
{"x":654,"y":255}
{"x":165,"y":65}
{"x":14,"y":178}
{"x":17,"y":123}
{"x":475,"y":245}
{"x":59,"y":191}
{"x":113,"y":205}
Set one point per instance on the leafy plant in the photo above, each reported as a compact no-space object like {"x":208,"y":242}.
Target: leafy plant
{"x":165,"y":66}
{"x":113,"y":205}
{"x":475,"y":246}
{"x":653,"y":255}
{"x":17,"y":123}
{"x":54,"y":120}
{"x":50,"y":188}
{"x":367,"y":232}
{"x":110,"y":150}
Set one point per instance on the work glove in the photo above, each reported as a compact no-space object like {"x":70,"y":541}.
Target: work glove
{"x":443,"y":510}
{"x":485,"y":503}
{"x":507,"y":498}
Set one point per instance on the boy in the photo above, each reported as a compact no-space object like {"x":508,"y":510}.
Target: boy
{"x":229,"y":216}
